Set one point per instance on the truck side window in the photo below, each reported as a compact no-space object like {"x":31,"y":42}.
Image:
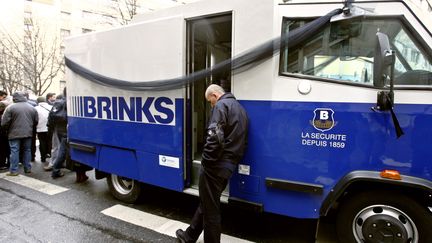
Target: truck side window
{"x":344,"y":51}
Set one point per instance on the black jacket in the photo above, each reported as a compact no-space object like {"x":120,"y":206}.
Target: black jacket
{"x":57,"y":118}
{"x":226,"y":134}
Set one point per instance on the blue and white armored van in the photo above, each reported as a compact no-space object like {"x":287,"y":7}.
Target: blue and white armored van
{"x":339,"y":97}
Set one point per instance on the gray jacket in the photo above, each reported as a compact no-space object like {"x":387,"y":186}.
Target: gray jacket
{"x":19,"y":119}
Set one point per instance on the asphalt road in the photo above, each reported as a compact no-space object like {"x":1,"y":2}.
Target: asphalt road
{"x":79,"y":214}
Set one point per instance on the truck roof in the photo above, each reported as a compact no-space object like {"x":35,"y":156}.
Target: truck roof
{"x":424,"y":14}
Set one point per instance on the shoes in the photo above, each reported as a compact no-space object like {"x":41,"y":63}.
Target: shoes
{"x":12,"y":174}
{"x":27,"y":171}
{"x":4,"y":167}
{"x":81,"y":177}
{"x":48,"y":168}
{"x":182,"y":236}
{"x":57,"y":175}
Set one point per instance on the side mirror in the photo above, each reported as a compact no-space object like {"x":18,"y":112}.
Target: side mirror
{"x":384,"y":60}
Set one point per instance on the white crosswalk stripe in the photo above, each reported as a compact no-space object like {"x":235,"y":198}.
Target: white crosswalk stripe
{"x":154,"y":222}
{"x":34,"y":184}
{"x":157,"y":223}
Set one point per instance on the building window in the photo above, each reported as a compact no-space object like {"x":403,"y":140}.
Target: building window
{"x":109,"y":18}
{"x":27,"y":14}
{"x":28,"y":27}
{"x":86,"y":30}
{"x":62,"y":85}
{"x":88,"y":15}
{"x":62,"y":49}
{"x":64,"y":33}
{"x":27,"y":18}
{"x":65,"y":14}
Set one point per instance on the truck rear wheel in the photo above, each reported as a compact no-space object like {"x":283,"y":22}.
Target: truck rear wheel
{"x":383,"y":217}
{"x":124,"y":189}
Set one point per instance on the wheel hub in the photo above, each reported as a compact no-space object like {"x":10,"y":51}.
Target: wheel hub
{"x":122,"y":185}
{"x":384,"y":224}
{"x":384,"y":228}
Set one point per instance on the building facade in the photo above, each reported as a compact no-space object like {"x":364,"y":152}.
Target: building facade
{"x":58,"y":19}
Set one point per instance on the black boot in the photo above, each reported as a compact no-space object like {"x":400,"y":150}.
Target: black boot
{"x":182,"y":237}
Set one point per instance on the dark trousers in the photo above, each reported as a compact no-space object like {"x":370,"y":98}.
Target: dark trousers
{"x":207,"y":217}
{"x":33,"y":146}
{"x":61,"y":156}
{"x":4,"y":151}
{"x":49,"y":143}
{"x":43,"y":145}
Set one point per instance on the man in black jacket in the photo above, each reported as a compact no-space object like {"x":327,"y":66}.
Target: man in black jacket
{"x":223,"y":150}
{"x":57,"y":119}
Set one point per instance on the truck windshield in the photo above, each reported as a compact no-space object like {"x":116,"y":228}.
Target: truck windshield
{"x":344,"y":51}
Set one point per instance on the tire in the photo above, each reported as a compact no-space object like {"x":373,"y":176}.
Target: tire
{"x":124,"y":189}
{"x":383,"y":217}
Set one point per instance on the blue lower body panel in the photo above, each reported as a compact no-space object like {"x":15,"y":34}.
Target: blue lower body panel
{"x":289,"y":142}
{"x":306,"y":142}
{"x":132,"y":149}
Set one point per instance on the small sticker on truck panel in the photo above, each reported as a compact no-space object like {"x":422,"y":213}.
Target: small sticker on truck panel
{"x":169,"y":161}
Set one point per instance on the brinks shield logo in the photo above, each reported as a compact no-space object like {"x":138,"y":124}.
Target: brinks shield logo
{"x":323,"y":119}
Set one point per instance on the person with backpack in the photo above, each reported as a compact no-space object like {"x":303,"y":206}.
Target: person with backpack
{"x":43,"y":109}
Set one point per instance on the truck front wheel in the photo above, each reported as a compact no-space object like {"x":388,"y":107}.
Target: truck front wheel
{"x":124,"y":189}
{"x":383,"y":217}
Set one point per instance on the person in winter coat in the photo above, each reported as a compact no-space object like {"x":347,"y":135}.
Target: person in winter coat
{"x":43,"y":109}
{"x":19,"y":120}
{"x":30,"y":99}
{"x":55,"y":143}
{"x":57,"y":119}
{"x":224,"y":148}
{"x":60,"y":125}
{"x":4,"y":142}
{"x":50,"y":98}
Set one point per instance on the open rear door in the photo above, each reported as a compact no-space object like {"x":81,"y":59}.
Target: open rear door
{"x":209,"y":42}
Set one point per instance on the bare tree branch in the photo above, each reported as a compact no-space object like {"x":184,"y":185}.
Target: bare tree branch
{"x":11,"y":76}
{"x":127,"y":9}
{"x":30,"y":62}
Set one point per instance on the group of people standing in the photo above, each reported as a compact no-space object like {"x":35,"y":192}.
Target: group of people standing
{"x":22,"y":120}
